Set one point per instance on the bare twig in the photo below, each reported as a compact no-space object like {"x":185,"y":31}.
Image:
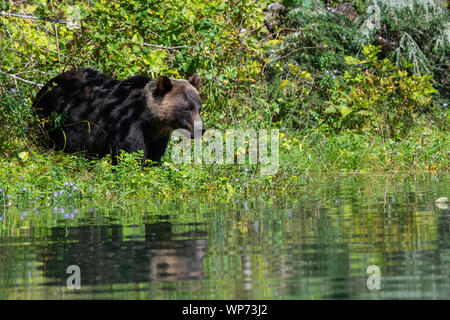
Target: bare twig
{"x":288,"y":54}
{"x":295,"y":50}
{"x":35,"y":70}
{"x":166,"y":48}
{"x":57,"y":48}
{"x":55,"y":26}
{"x":33,"y":17}
{"x":20,"y":79}
{"x":35,"y":44}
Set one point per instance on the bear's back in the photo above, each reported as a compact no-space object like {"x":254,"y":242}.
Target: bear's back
{"x":72,"y":88}
{"x":98,"y":110}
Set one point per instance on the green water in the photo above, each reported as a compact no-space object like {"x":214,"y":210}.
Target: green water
{"x":313,"y":244}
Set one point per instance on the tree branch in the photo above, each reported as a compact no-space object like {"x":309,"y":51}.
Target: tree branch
{"x":20,"y":79}
{"x":166,"y":48}
{"x":33,"y":17}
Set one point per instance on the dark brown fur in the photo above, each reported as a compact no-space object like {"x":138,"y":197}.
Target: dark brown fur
{"x":104,"y":115}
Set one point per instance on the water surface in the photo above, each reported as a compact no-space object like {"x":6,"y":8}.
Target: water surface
{"x":313,"y":244}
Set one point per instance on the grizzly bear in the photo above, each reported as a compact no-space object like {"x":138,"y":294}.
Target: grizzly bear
{"x":102,"y":115}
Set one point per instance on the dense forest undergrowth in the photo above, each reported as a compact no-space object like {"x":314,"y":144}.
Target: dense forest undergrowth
{"x":352,"y":86}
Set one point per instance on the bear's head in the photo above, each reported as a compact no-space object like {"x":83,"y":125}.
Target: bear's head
{"x":175,"y":104}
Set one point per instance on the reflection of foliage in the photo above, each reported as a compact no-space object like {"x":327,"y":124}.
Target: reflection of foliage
{"x":341,"y":115}
{"x":363,"y":219}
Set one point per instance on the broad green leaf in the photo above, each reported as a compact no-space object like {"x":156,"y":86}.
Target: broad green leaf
{"x":364,"y":113}
{"x":352,"y":60}
{"x":23,"y":155}
{"x":330,"y":109}
{"x":284,"y":83}
{"x":345,"y":111}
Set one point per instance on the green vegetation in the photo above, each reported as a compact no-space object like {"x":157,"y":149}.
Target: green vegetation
{"x":382,"y":97}
{"x":305,"y":247}
{"x":361,"y":93}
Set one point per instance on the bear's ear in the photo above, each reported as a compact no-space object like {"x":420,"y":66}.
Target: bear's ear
{"x":163,"y":85}
{"x":195,"y":80}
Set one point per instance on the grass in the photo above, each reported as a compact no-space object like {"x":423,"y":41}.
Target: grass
{"x":31,"y":174}
{"x":49,"y":178}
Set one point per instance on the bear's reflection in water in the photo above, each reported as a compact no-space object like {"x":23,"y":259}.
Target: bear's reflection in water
{"x":106,"y":255}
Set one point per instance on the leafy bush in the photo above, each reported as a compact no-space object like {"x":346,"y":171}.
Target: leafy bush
{"x":315,"y":36}
{"x":318,"y":39}
{"x":16,"y":118}
{"x":216,"y":39}
{"x":376,"y":94}
{"x":296,"y":78}
{"x":414,"y":31}
{"x":301,"y":62}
